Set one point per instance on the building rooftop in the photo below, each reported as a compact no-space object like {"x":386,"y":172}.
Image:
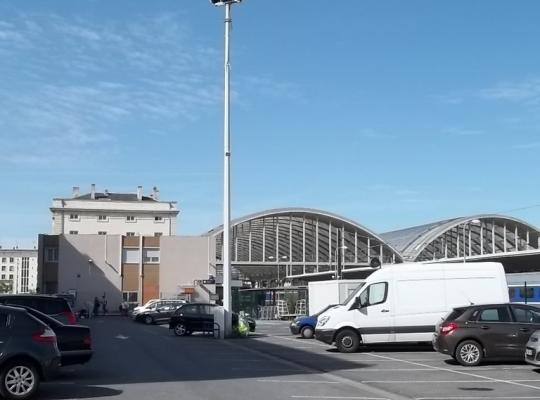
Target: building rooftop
{"x":113,"y":197}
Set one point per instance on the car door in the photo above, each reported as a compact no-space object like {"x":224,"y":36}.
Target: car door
{"x":191,"y":317}
{"x":527,"y":320}
{"x":5,"y":331}
{"x":496,"y":330}
{"x":374,"y":316}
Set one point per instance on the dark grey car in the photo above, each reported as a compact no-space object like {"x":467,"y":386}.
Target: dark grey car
{"x":28,"y":353}
{"x":492,"y":331}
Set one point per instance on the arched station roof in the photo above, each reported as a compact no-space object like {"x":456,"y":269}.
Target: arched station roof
{"x":476,"y":235}
{"x":302,"y":237}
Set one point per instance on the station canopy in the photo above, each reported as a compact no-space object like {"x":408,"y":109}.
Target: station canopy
{"x":299,"y":242}
{"x":477,"y":237}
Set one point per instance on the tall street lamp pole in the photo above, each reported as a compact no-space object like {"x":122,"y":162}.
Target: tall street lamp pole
{"x":226,"y":172}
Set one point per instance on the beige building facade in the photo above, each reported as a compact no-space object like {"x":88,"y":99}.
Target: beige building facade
{"x":111,"y":213}
{"x":120,"y":268}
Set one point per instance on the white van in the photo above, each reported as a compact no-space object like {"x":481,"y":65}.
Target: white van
{"x":404,"y":302}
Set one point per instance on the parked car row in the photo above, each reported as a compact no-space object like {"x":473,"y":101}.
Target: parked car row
{"x":184,"y":318}
{"x":34,"y":344}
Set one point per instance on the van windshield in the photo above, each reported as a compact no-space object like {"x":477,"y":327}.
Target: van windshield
{"x":353,"y":294}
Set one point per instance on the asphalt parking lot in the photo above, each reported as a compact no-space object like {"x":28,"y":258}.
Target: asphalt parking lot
{"x":135,"y":361}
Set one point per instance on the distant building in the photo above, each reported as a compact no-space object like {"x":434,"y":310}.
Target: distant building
{"x":107,"y":213}
{"x":18,"y":270}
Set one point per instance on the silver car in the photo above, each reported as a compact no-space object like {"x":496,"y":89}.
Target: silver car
{"x":532,"y":350}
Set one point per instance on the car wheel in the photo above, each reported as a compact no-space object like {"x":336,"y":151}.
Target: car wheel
{"x":469,"y":353}
{"x":347,"y":341}
{"x":19,"y":380}
{"x":307,"y":332}
{"x":181,"y":330}
{"x":148,"y":320}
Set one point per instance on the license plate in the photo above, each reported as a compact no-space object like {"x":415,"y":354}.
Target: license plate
{"x":529,"y":352}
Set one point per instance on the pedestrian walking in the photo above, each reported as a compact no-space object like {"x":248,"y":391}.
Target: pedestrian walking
{"x":96,"y":307}
{"x":104,"y":304}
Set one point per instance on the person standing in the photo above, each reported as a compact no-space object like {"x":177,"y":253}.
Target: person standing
{"x":96,"y":307}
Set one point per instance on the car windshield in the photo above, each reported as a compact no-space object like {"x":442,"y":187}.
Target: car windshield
{"x":353,"y":294}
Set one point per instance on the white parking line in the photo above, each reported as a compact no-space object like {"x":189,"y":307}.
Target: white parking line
{"x":292,"y":381}
{"x":478,"y":398}
{"x":458,"y":372}
{"x":339,"y":397}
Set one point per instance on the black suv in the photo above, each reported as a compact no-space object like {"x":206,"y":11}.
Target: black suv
{"x":54,"y":306}
{"x":199,"y":317}
{"x":28,"y":353}
{"x":493,"y":331}
{"x":193,"y":317}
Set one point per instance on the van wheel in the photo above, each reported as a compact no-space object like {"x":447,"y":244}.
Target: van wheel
{"x":19,"y":380}
{"x":347,"y":341}
{"x":469,"y":353}
{"x":148,"y":320}
{"x":307,"y":332}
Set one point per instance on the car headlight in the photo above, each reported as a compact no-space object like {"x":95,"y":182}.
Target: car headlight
{"x":323,"y":321}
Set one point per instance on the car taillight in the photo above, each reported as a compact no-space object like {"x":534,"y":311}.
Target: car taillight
{"x":71,"y":317}
{"x":87,"y":341}
{"x":449,"y":327}
{"x":44,"y":335}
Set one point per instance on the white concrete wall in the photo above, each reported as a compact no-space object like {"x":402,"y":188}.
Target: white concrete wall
{"x":91,"y":266}
{"x":184,"y":259}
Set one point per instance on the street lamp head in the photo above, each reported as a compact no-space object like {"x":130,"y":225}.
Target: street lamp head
{"x":223,"y":2}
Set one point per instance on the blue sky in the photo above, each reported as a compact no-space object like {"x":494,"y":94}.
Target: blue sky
{"x":390,"y":113}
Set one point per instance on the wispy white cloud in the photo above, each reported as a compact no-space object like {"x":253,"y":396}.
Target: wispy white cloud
{"x":370,"y":133}
{"x":463,"y":132}
{"x":527,"y":146}
{"x":271,"y":87}
{"x":78,"y":84}
{"x":526,"y":90}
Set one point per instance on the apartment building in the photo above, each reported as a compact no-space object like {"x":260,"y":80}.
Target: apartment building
{"x":109,"y":213}
{"x":18,"y":270}
{"x":125,"y":268}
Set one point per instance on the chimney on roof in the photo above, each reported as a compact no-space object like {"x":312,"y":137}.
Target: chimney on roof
{"x":93,"y":191}
{"x":156,"y":193}
{"x":139,"y":193}
{"x":76,"y":191}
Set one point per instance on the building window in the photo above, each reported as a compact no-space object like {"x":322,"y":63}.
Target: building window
{"x":3,"y":276}
{"x":11,"y":267}
{"x":102,"y":233}
{"x":4,"y":259}
{"x":130,"y":297}
{"x":11,"y":259}
{"x":3,"y":267}
{"x":158,"y":219}
{"x":102,"y":218}
{"x":73,"y":217}
{"x":130,"y":256}
{"x":25,"y":274}
{"x":151,"y":256}
{"x":10,"y":276}
{"x":73,"y":232}
{"x":130,"y":233}
{"x":158,"y":234}
{"x":51,"y":254}
{"x":130,"y":218}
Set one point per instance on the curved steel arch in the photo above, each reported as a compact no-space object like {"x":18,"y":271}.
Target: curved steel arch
{"x":477,"y":235}
{"x":303,"y":239}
